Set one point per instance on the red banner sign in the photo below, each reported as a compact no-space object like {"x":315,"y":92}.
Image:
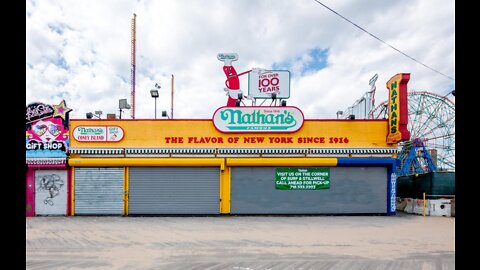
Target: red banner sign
{"x":398,"y":108}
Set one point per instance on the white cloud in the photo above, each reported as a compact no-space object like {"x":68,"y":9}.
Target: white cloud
{"x":183,"y":38}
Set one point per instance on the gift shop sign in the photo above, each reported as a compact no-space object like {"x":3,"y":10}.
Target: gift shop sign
{"x":257,"y":119}
{"x":261,"y":84}
{"x":37,"y":111}
{"x":98,"y":133}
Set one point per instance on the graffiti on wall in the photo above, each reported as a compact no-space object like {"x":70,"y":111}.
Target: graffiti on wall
{"x":47,"y":130}
{"x":51,"y":192}
{"x":51,"y":184}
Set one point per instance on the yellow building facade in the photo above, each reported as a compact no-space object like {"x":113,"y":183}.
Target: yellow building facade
{"x":187,"y":166}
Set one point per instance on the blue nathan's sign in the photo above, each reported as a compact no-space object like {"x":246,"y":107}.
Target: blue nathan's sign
{"x":257,"y":119}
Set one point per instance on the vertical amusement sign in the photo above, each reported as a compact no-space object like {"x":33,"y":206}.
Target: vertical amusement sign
{"x":398,"y":108}
{"x":393,"y":191}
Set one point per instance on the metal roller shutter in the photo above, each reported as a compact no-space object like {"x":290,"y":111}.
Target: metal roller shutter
{"x":99,"y":191}
{"x":51,"y":192}
{"x":174,"y":190}
{"x":353,"y":190}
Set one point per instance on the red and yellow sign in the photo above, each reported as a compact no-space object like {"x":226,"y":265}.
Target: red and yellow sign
{"x":202,"y":133}
{"x":398,"y":108}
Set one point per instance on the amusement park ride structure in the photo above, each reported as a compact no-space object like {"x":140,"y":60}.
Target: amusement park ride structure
{"x":431,"y":122}
{"x":431,"y":119}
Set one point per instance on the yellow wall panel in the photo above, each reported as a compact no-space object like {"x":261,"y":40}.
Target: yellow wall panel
{"x":225,"y":183}
{"x":202,"y":133}
{"x":146,"y":162}
{"x":232,"y":162}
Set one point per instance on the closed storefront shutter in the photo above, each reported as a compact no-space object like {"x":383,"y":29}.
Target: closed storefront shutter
{"x":351,"y":190}
{"x":99,"y":191}
{"x":174,"y":190}
{"x":51,"y":192}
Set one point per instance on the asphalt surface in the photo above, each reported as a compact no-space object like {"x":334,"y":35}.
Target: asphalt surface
{"x":241,"y":242}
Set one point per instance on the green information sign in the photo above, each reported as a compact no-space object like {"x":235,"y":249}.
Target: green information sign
{"x":302,"y":178}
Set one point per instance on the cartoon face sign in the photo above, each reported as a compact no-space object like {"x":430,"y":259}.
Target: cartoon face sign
{"x":229,"y":71}
{"x":49,"y":130}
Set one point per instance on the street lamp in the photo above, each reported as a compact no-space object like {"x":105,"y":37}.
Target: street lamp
{"x":122,"y":104}
{"x":164,"y":114}
{"x":339,"y":113}
{"x":97,"y":114}
{"x":154,"y":93}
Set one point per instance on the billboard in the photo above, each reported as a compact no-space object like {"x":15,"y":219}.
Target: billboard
{"x":262,"y":83}
{"x":98,"y":133}
{"x":47,"y":134}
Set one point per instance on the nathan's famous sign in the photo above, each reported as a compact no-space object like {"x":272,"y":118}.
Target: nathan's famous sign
{"x":398,"y":108}
{"x":258,"y":119}
{"x":262,"y":83}
{"x":234,"y":118}
{"x":98,"y":133}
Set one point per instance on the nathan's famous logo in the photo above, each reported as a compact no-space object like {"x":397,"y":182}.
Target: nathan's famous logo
{"x":398,"y":108}
{"x":393,"y":107}
{"x":98,"y":133}
{"x":240,"y":118}
{"x":91,"y":131}
{"x":253,"y":119}
{"x":227,"y":56}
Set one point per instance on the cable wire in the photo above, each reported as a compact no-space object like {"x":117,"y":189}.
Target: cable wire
{"x":377,"y":38}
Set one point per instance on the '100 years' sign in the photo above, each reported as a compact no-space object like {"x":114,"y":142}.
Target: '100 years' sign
{"x":302,"y":178}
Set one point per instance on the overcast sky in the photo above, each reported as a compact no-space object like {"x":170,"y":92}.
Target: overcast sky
{"x":79,"y":51}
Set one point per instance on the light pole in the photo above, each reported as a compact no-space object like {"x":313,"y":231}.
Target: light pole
{"x":97,"y":114}
{"x":164,"y":114}
{"x":122,"y":104}
{"x":154,"y":93}
{"x":339,"y":113}
{"x":171,"y":106}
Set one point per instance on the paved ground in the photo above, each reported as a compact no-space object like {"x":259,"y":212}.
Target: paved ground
{"x":242,"y":242}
